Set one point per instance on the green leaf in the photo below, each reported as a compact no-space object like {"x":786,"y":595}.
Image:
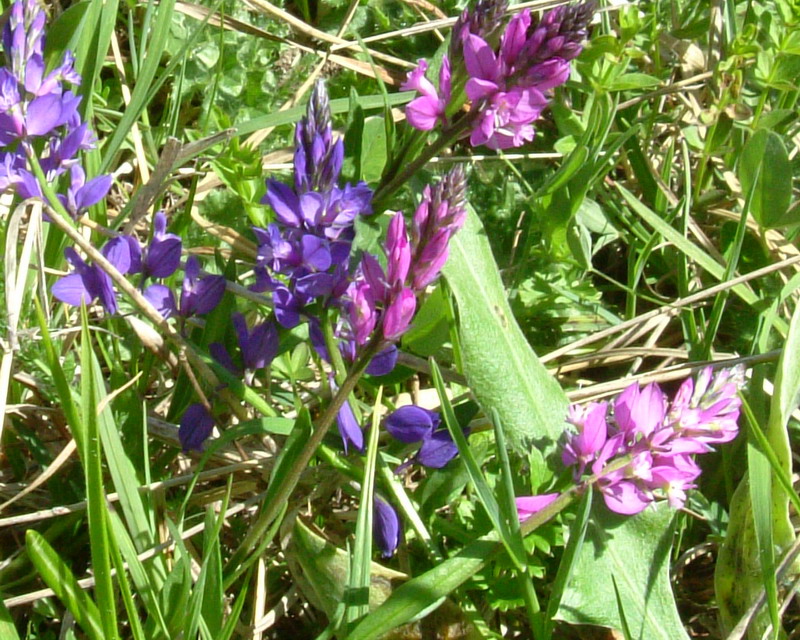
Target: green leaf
{"x":501,"y":368}
{"x":765,"y":168}
{"x":634,"y":551}
{"x":744,"y":555}
{"x":373,"y":149}
{"x":161,"y":24}
{"x":509,"y":536}
{"x":358,"y":579}
{"x":96,"y":508}
{"x":416,"y":596}
{"x":629,"y":81}
{"x":59,"y":577}
{"x":7,"y":629}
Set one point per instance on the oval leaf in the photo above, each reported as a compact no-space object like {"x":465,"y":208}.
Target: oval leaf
{"x":499,"y":364}
{"x":765,"y":171}
{"x":628,"y":555}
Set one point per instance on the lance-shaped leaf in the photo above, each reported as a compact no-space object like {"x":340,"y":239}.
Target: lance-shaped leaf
{"x":501,"y":368}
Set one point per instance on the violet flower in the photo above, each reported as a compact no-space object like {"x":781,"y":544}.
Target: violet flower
{"x":349,"y":429}
{"x":645,"y":450}
{"x":199,"y":295}
{"x":163,"y":255}
{"x":89,"y":282}
{"x":304,"y":255}
{"x":411,"y":424}
{"x":38,"y":115}
{"x":195,"y":428}
{"x":385,"y":527}
{"x":259,"y":346}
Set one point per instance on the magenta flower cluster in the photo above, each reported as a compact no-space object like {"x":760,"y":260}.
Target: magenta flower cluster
{"x":39,"y":116}
{"x":508,"y":84}
{"x":641,"y":447}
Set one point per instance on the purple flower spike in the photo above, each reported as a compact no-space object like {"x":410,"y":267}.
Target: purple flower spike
{"x":349,"y":428}
{"x":385,"y":527}
{"x":412,"y":423}
{"x":199,"y":295}
{"x":259,"y":346}
{"x":164,"y":252}
{"x":437,"y":450}
{"x":195,"y":428}
{"x":529,"y":505}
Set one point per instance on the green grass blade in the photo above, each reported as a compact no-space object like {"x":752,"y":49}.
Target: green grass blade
{"x":359,"y":577}
{"x":760,"y":476}
{"x":162,"y":22}
{"x":415,"y":596}
{"x":7,"y":629}
{"x":59,"y":577}
{"x":513,"y":543}
{"x":146,"y":590}
{"x":508,"y":507}
{"x":137,"y":631}
{"x":569,"y":558}
{"x":95,"y":492}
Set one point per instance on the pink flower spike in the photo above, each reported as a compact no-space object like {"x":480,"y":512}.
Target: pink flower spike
{"x":529,"y":505}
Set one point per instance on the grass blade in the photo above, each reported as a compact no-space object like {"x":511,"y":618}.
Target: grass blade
{"x":59,"y":577}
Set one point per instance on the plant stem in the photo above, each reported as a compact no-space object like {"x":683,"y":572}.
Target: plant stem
{"x":447,"y":137}
{"x":288,"y":482}
{"x":339,"y":368}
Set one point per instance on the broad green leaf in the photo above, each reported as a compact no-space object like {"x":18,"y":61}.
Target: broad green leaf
{"x":634,"y":551}
{"x":59,"y":577}
{"x":430,"y":329}
{"x":765,"y":169}
{"x":501,"y":368}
